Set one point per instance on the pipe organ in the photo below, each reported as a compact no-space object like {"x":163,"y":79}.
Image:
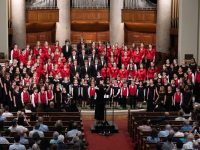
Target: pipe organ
{"x":90,"y":3}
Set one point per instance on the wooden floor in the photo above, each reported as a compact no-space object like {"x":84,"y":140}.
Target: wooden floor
{"x":118,"y":114}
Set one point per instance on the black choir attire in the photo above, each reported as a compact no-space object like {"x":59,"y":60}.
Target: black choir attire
{"x":100,"y":103}
{"x":65,"y":102}
{"x":95,"y":69}
{"x":18,"y":101}
{"x":81,"y":59}
{"x":187,"y":101}
{"x":161,"y":99}
{"x":116,"y":93}
{"x":73,"y":70}
{"x":1,"y":89}
{"x":75,"y":93}
{"x":6,"y":98}
{"x":58,"y":98}
{"x":169,"y":101}
{"x":151,"y":91}
{"x":107,"y":94}
{"x":66,"y":85}
{"x":140,"y":93}
{"x":85,"y":70}
{"x":67,"y":51}
{"x":84,"y":92}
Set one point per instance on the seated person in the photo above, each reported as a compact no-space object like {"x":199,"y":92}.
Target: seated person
{"x":168,"y":145}
{"x":189,"y":142}
{"x":3,"y":140}
{"x":74,"y":132}
{"x":153,"y":138}
{"x":165,"y":133}
{"x":43,"y":127}
{"x":6,"y":112}
{"x":145,"y":126}
{"x":17,"y":145}
{"x":55,"y":138}
{"x":59,"y":126}
{"x":178,"y":133}
{"x":23,"y":140}
{"x":17,"y":128}
{"x":36,"y":129}
{"x":186,"y":126}
{"x":61,"y":145}
{"x":180,"y":116}
{"x":2,"y":118}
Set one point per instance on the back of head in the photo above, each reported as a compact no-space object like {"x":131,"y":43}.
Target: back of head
{"x":190,"y":137}
{"x":35,"y":147}
{"x":37,"y":126}
{"x":181,"y":113}
{"x":36,"y":136}
{"x":74,"y":125}
{"x":6,"y":108}
{"x":61,"y":138}
{"x":55,"y":135}
{"x":17,"y":138}
{"x":168,"y":127}
{"x":40,"y":120}
{"x":14,"y":122}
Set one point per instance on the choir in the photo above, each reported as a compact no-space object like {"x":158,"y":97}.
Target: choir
{"x":44,"y":73}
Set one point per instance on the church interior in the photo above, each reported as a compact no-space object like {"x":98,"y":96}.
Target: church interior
{"x":100,"y":74}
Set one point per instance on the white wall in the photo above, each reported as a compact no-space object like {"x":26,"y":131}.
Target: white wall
{"x":4,"y":27}
{"x":188,"y":28}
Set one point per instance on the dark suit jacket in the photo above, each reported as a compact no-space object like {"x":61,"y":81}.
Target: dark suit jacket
{"x":95,"y":69}
{"x":84,"y":72}
{"x":81,"y":60}
{"x":73,"y":71}
{"x":69,"y":53}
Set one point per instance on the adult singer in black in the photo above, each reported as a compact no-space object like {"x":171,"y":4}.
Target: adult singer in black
{"x":100,"y":102}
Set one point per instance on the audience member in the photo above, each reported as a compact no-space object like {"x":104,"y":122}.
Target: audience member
{"x":168,"y":145}
{"x":153,"y":138}
{"x":17,"y":128}
{"x":6,"y":112}
{"x":165,"y":133}
{"x":36,"y":129}
{"x":55,"y":138}
{"x":3,"y":140}
{"x":17,"y":145}
{"x":43,"y":127}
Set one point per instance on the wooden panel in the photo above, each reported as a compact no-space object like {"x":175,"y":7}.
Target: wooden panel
{"x":138,"y":37}
{"x":42,"y":15}
{"x":89,"y":15}
{"x":139,"y":16}
{"x":32,"y":38}
{"x":89,"y":36}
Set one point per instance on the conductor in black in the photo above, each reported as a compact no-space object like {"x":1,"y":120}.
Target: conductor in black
{"x":100,"y":103}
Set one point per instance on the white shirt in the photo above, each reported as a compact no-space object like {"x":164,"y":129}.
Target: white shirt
{"x":18,"y":128}
{"x":7,"y":114}
{"x":188,"y":145}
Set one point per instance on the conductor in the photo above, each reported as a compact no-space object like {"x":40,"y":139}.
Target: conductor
{"x":100,"y":103}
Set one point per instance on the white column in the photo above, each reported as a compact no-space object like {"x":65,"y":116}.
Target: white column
{"x":63,"y":27}
{"x":116,"y":25}
{"x":163,"y":25}
{"x":199,"y":38}
{"x":4,"y":27}
{"x":19,"y":22}
{"x":188,"y":28}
